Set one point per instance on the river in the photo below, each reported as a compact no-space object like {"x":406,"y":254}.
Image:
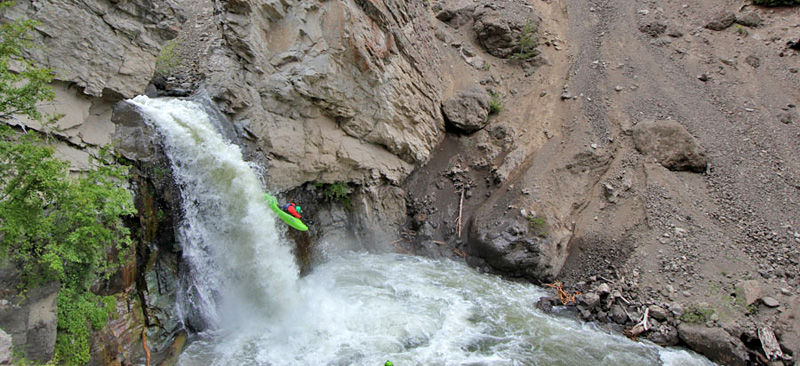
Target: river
{"x":355,"y":308}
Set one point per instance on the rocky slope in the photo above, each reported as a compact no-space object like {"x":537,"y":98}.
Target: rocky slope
{"x":643,"y":153}
{"x":653,"y":166}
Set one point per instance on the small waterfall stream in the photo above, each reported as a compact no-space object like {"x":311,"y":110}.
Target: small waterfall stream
{"x":357,"y":308}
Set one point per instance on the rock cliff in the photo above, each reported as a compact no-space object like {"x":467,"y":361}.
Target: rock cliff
{"x":648,"y":162}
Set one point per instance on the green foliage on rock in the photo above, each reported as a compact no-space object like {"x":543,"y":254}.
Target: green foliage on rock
{"x":168,"y":59}
{"x":537,"y":226}
{"x":336,"y":192}
{"x":776,"y":2}
{"x":54,"y":227}
{"x":22,"y":84}
{"x":697,"y":314}
{"x":75,"y":310}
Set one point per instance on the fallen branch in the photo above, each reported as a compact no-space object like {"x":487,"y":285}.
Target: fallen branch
{"x":641,"y":326}
{"x":460,"y":209}
{"x":565,"y":297}
{"x":770,"y":345}
{"x":437,"y":242}
{"x":144,"y":345}
{"x":404,"y":251}
{"x":460,"y":253}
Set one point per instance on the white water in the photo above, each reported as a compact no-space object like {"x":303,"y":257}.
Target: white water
{"x":356,"y":309}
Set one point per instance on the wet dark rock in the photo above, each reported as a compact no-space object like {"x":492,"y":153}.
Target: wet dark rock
{"x":664,"y":335}
{"x":603,"y":289}
{"x":546,"y":304}
{"x":134,"y":139}
{"x":714,"y":343}
{"x":175,"y":93}
{"x":589,"y":300}
{"x":618,"y":314}
{"x":502,"y":245}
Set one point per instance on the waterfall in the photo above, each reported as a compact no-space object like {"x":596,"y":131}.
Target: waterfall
{"x":238,"y":263}
{"x":357,"y":308}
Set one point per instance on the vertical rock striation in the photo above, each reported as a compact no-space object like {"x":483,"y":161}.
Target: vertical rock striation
{"x":330,"y":91}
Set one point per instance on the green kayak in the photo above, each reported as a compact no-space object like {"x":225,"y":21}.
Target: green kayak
{"x":289,"y":219}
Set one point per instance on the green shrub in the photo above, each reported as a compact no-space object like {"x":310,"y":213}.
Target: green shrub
{"x":527,"y":42}
{"x":168,"y":60}
{"x":697,"y":314}
{"x":78,"y":313}
{"x":776,"y":2}
{"x":537,"y":226}
{"x":336,"y":192}
{"x":496,"y":104}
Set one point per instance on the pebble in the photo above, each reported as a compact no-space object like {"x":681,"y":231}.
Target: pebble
{"x":786,"y":291}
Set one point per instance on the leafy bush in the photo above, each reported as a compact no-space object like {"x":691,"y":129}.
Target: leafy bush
{"x":53,"y":226}
{"x":776,"y":2}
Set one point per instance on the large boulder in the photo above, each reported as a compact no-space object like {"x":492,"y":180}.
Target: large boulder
{"x":504,"y":245}
{"x":468,"y":110}
{"x":671,"y":144}
{"x":133,"y":138}
{"x":721,"y":20}
{"x":714,"y":343}
{"x":749,"y":290}
{"x":499,"y":28}
{"x":458,"y":13}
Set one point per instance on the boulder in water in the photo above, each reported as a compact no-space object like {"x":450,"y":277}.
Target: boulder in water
{"x":714,"y":343}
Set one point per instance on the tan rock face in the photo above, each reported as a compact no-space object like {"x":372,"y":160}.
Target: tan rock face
{"x":99,"y":45}
{"x":332,"y":91}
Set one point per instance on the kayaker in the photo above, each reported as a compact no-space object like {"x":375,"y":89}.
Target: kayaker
{"x":292,"y":209}
{"x":388,"y":363}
